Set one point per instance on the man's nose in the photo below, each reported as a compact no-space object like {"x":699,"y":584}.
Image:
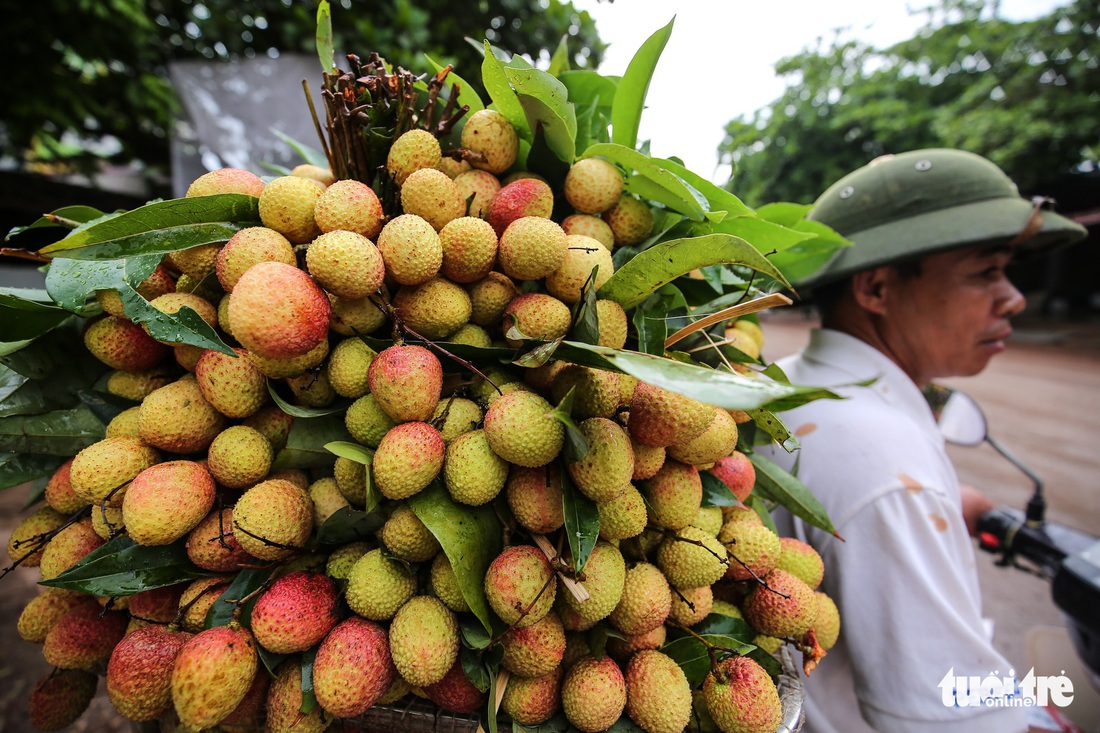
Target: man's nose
{"x":1011,"y":302}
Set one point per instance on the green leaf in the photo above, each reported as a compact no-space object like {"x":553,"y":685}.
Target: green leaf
{"x":588,"y":87}
{"x":586,"y":324}
{"x":576,"y":445}
{"x":122,"y":567}
{"x":545,"y":102}
{"x":556,"y":724}
{"x":774,"y":426}
{"x":625,"y":725}
{"x":475,"y":669}
{"x":165,"y":226}
{"x":312,"y":156}
{"x":474,"y":635}
{"x":680,"y":197}
{"x":718,"y":198}
{"x":724,"y":389}
{"x":57,"y":433}
{"x":626,"y":112}
{"x":326,"y":49}
{"x":765,"y":236}
{"x":582,"y":521}
{"x":19,"y":468}
{"x":559,"y":62}
{"x":692,"y":657}
{"x":271,"y":661}
{"x":715,"y":491}
{"x":760,"y":506}
{"x":305,"y":446}
{"x":24,"y":319}
{"x":470,"y":537}
{"x":245,"y":582}
{"x":349,"y":525}
{"x":495,"y":79}
{"x":664,"y":262}
{"x":467,"y":94}
{"x":365,"y":456}
{"x":60,"y":218}
{"x":651,"y":318}
{"x":298,"y":410}
{"x":776,"y":484}
{"x":784,"y":213}
{"x":309,"y":700}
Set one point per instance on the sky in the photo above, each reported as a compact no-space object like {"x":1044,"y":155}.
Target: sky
{"x":721,"y":56}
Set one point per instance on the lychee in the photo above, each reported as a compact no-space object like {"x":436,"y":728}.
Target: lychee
{"x":595,"y":391}
{"x":753,"y":548}
{"x":357,"y":317}
{"x":295,"y":613}
{"x":490,"y":133}
{"x":351,"y":206}
{"x":469,"y":249}
{"x":226,"y":180}
{"x":455,"y":693}
{"x":346,"y":264}
{"x":741,"y":697}
{"x":28,"y":539}
{"x":251,"y":246}
{"x":593,"y":694}
{"x":479,"y":188}
{"x":409,"y":458}
{"x":411,"y":249}
{"x":232,"y":385}
{"x":378,"y":586}
{"x":353,"y":668}
{"x":444,"y":585}
{"x":645,"y":601}
{"x":454,"y":416}
{"x":347,"y":367}
{"x":623,"y":516}
{"x":630,"y":220}
{"x":178,"y":419}
{"x":273,"y":519}
{"x":658,"y":696}
{"x":801,"y":560}
{"x":826,"y":621}
{"x":489,"y":298}
{"x":278,"y":311}
{"x":61,"y":697}
{"x":433,"y":196}
{"x":166,"y":501}
{"x":139,"y":673}
{"x":535,"y":316}
{"x":531,"y":247}
{"x":120,"y":344}
{"x":424,"y":640}
{"x":527,"y":197}
{"x":520,"y":586}
{"x":606,"y":468}
{"x":737,"y":472}
{"x":533,"y":700}
{"x":589,"y":226}
{"x":213,"y":671}
{"x":406,"y":382}
{"x":367,"y":422}
{"x":534,"y":496}
{"x":785,"y":607}
{"x":690,"y":605}
{"x":473,"y":473}
{"x":285,"y":701}
{"x":716,"y":441}
{"x":83,"y":637}
{"x":435,"y":309}
{"x":534,"y":650}
{"x":674,"y":494}
{"x":68,"y":547}
{"x":521,"y":430}
{"x":660,"y":418}
{"x":412,"y":151}
{"x":239,"y":457}
{"x":287,"y":204}
{"x":407,"y":538}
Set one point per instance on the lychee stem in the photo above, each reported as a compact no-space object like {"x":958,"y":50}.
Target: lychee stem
{"x":42,"y":539}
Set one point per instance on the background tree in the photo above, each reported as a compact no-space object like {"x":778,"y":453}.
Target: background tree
{"x":95,"y":69}
{"x":1026,"y":95}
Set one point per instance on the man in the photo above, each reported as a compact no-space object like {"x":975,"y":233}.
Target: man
{"x":921,"y":294}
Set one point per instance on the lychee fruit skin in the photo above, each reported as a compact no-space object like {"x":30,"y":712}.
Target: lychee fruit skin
{"x":593,"y":185}
{"x":623,"y":516}
{"x":674,"y":494}
{"x":353,"y":668}
{"x":278,"y":311}
{"x":593,"y":694}
{"x":444,"y":585}
{"x":489,"y":298}
{"x":611,"y":320}
{"x":645,"y":601}
{"x":521,"y":430}
{"x":166,"y":501}
{"x":455,"y":693}
{"x":435,"y":309}
{"x":658,"y":696}
{"x":647,"y":460}
{"x":411,"y":249}
{"x":212,"y":545}
{"x":623,"y":649}
{"x":827,"y":621}
{"x":347,"y":367}
{"x":472,"y":472}
{"x":273,"y":519}
{"x":232,"y":385}
{"x":589,"y":226}
{"x":26,"y":543}
{"x":139,"y":674}
{"x":690,"y":565}
{"x":248,"y":247}
{"x":756,"y":548}
{"x":528,"y":197}
{"x":406,"y":382}
{"x":604,"y":577}
{"x":469,"y":249}
{"x":409,"y":458}
{"x":717,"y":441}
{"x":741,"y":697}
{"x":461,"y":416}
{"x":534,"y":496}
{"x":68,"y":547}
{"x":379,"y":586}
{"x":533,"y":700}
{"x":287,"y":204}
{"x":605,"y":471}
{"x":239,"y":457}
{"x":351,"y":206}
{"x":433,"y":196}
{"x":737,"y":472}
{"x":424,"y":640}
{"x":581,"y":256}
{"x":295,"y":366}
{"x":490,"y":133}
{"x":357,"y":317}
{"x":788,"y":610}
{"x":284,"y":703}
{"x":173,"y":303}
{"x":345,"y":264}
{"x":531,"y":247}
{"x":630,"y":220}
{"x":801,"y":560}
{"x":123,"y":345}
{"x":536,"y":316}
{"x":520,"y":579}
{"x":691,"y":605}
{"x":59,"y":493}
{"x":407,"y":538}
{"x":178,"y":419}
{"x":535,"y":650}
{"x":226,"y":180}
{"x":367,"y":421}
{"x":84,"y":637}
{"x":61,"y":697}
{"x":452,"y":167}
{"x":213,"y":672}
{"x":44,"y":610}
{"x":661,"y":418}
{"x":412,"y":151}
{"x":198,"y":598}
{"x":479,"y":188}
{"x":295,"y":613}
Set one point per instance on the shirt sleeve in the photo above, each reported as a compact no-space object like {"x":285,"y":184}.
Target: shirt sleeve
{"x":909,"y":614}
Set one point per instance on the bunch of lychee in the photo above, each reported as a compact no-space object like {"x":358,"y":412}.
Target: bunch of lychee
{"x":198,"y":462}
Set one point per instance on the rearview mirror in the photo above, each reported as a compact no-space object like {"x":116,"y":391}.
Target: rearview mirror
{"x":962,"y":421}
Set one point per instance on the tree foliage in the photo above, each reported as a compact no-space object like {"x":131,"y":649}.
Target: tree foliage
{"x":96,"y":68}
{"x":1024,"y":94}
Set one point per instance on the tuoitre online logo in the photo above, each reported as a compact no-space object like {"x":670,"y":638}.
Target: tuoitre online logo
{"x":994,"y":691}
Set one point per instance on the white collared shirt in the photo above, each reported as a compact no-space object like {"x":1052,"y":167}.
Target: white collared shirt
{"x":905,"y":579}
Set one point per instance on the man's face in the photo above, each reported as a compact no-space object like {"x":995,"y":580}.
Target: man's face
{"x":953,"y":317}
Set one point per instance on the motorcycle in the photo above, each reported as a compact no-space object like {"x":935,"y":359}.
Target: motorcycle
{"x":1026,"y":540}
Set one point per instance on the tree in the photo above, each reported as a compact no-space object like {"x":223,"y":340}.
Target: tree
{"x":86,"y":78}
{"x":1026,"y":95}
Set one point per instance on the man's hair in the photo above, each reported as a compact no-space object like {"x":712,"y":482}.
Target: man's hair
{"x":828,"y":297}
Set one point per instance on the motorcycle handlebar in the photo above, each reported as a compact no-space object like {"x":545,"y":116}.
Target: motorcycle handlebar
{"x":1008,"y":533}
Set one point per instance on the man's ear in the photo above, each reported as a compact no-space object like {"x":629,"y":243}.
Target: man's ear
{"x":869,"y":288}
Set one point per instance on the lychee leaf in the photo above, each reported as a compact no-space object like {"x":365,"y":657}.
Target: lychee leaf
{"x":58,"y":433}
{"x":22,"y":319}
{"x":772,"y":482}
{"x":715,"y":491}
{"x":582,"y":522}
{"x":664,"y":262}
{"x":309,"y":700}
{"x":718,"y":198}
{"x":298,"y":411}
{"x":651,"y":318}
{"x":545,"y":102}
{"x":626,"y":111}
{"x":475,"y":669}
{"x":774,"y":426}
{"x":474,"y":635}
{"x":557,"y":724}
{"x":66,"y":217}
{"x":121,"y":567}
{"x":625,"y":725}
{"x":763,"y":510}
{"x":585,"y":322}
{"x":471,"y":537}
{"x":245,"y":582}
{"x":692,"y":657}
{"x":349,"y":525}
{"x":161,"y":227}
{"x":312,"y":156}
{"x":19,"y":468}
{"x":305,"y":446}
{"x":576,"y":445}
{"x":495,"y":80}
{"x":326,"y":48}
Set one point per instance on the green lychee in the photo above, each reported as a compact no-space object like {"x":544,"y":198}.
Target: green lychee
{"x":412,"y":151}
{"x":347,"y":367}
{"x":28,"y":539}
{"x":469,"y":249}
{"x":532,"y":247}
{"x":445,"y":587}
{"x":409,"y":458}
{"x":378,"y":586}
{"x":630,"y":220}
{"x":489,"y":133}
{"x":593,"y":694}
{"x":582,"y":256}
{"x":521,"y":430}
{"x":489,"y":298}
{"x":345,"y":264}
{"x":604,"y":576}
{"x":611,"y":319}
{"x":691,"y":558}
{"x":622,"y":517}
{"x":435,"y":309}
{"x":357,"y":317}
{"x":473,"y":473}
{"x":595,"y":391}
{"x":826,"y":621}
{"x":367,"y":422}
{"x":287,"y":204}
{"x":533,"y":700}
{"x":534,"y":650}
{"x":658,"y":696}
{"x":801,"y":560}
{"x":606,"y":468}
{"x":44,"y":610}
{"x":454,"y":416}
{"x":593,"y":186}
{"x":351,"y":206}
{"x":239,"y":457}
{"x":178,"y":419}
{"x":691,"y":605}
{"x":674,"y":494}
{"x":327,"y":499}
{"x":645,"y":601}
{"x":411,"y":249}
{"x":589,"y":226}
{"x":424,"y":640}
{"x":753,"y":549}
{"x":273,"y":519}
{"x":535,"y":497}
{"x":136,"y":386}
{"x":407,"y":538}
{"x":433,"y":196}
{"x":535,"y":316}
{"x":294,"y":366}
{"x":248,"y":247}
{"x":660,"y":418}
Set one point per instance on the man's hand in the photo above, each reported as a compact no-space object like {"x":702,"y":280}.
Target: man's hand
{"x":974,"y":505}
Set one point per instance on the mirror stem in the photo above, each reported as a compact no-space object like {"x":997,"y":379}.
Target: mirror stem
{"x":1037,"y":504}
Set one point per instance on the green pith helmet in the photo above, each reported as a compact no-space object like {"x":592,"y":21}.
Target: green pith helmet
{"x":907,"y":206}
